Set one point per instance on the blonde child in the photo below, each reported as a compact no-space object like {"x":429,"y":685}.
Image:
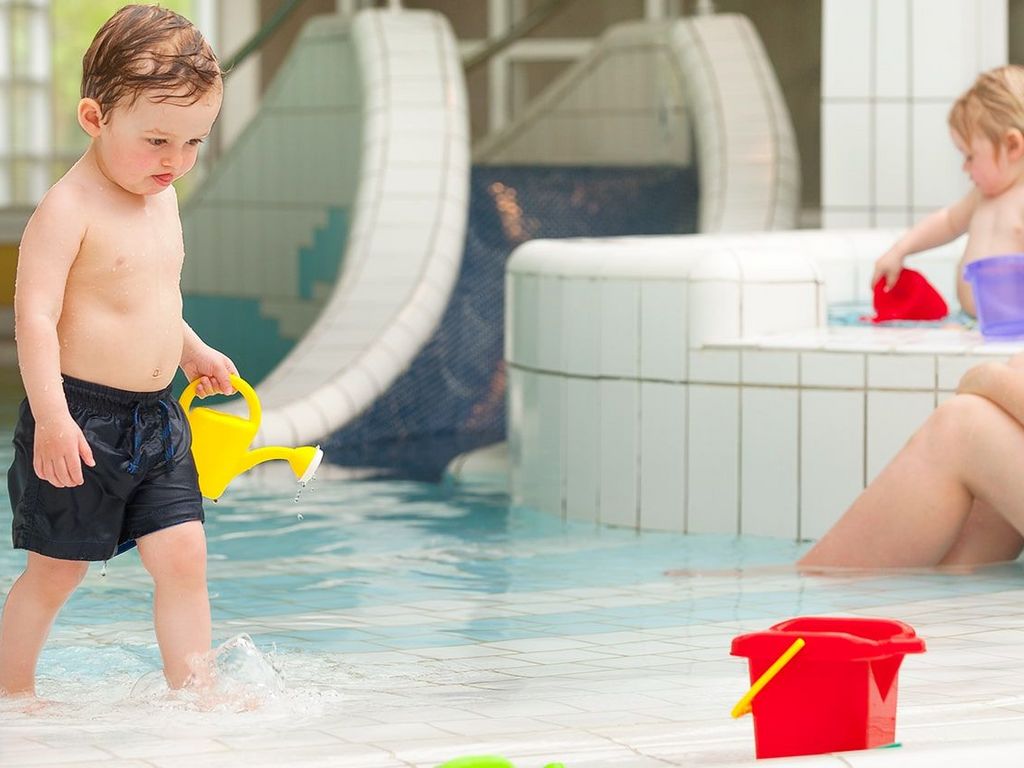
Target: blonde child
{"x":987,"y":126}
{"x":102,"y":450}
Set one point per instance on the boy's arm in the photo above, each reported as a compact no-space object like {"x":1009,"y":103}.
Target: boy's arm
{"x":937,"y":228}
{"x":49,"y":246}
{"x":201,"y":361}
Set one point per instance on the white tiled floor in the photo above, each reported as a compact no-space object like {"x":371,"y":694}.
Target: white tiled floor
{"x":655,"y":690}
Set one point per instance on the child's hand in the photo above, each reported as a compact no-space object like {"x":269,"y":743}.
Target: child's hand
{"x":212,"y":368}
{"x":889,"y":266}
{"x":60,"y":448}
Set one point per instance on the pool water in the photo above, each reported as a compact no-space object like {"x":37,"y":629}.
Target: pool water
{"x":847,"y":313}
{"x":404,"y":624}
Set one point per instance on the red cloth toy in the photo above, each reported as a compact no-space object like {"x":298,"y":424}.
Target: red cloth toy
{"x":911,"y":298}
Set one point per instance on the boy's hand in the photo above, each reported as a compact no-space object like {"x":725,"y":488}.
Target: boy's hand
{"x":60,"y":448}
{"x":212,"y":368}
{"x":889,"y":266}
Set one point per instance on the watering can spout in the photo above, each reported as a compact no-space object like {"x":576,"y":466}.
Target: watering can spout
{"x":220,"y":443}
{"x":304,"y":461}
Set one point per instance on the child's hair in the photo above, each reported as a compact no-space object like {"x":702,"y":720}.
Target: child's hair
{"x":992,"y":106}
{"x":144,"y":48}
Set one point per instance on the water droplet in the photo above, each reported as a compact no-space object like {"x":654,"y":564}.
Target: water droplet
{"x":103,"y":571}
{"x":299,"y":516}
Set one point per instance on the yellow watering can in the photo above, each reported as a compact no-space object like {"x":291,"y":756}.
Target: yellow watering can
{"x":220,"y":443}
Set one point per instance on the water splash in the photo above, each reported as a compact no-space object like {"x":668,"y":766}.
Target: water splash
{"x":233,"y":677}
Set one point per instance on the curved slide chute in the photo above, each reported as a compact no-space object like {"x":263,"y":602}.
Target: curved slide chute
{"x":324,"y":249}
{"x":337,"y":219}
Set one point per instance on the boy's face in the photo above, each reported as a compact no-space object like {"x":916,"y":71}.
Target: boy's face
{"x":986,"y":164}
{"x":145,"y":147}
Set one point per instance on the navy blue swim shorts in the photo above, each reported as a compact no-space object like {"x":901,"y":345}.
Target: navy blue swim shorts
{"x":144,"y":480}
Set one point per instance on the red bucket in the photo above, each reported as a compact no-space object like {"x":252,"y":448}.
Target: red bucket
{"x":838,"y":693}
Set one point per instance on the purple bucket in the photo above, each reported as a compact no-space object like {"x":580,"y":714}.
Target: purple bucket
{"x":998,"y":286}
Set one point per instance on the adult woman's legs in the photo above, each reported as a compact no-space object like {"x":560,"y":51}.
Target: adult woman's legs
{"x":921,"y":508}
{"x":986,"y":537}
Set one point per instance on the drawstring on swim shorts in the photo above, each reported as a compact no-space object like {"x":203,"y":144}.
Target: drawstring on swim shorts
{"x":165,"y":435}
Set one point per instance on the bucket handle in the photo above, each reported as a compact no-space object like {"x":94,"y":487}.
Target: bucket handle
{"x":240,"y":385}
{"x":743,"y":706}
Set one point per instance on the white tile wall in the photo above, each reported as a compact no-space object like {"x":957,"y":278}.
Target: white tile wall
{"x":663,"y":336}
{"x":663,"y":430}
{"x":550,"y":353}
{"x":892,"y":417}
{"x":937,"y":177}
{"x":581,"y":302}
{"x":831,"y":457}
{"x":892,"y":70}
{"x":620,"y":328}
{"x":720,"y":366}
{"x":892,"y":170}
{"x":846,"y":153}
{"x":551,"y":417}
{"x":713,"y":459}
{"x":832,"y":369}
{"x":900,"y":371}
{"x":882,"y":59}
{"x":770,"y":367}
{"x":769,"y":481}
{"x":582,"y":445}
{"x":846,"y":44}
{"x":620,"y":459}
{"x":774,"y":307}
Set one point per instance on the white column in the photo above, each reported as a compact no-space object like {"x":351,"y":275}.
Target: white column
{"x":498,"y":22}
{"x":890,"y":71}
{"x":239,"y":21}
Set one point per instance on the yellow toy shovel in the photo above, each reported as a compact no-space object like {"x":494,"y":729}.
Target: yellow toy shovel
{"x":220,"y":443}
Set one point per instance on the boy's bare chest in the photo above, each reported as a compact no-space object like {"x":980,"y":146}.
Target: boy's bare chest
{"x":133,"y":245}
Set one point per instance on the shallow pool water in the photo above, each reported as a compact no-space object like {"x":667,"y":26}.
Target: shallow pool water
{"x":403,"y":624}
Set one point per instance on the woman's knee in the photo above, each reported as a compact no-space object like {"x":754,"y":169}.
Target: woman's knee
{"x":961,"y":416}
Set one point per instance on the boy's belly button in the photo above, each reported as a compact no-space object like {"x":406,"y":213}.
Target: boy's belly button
{"x":156,"y":372}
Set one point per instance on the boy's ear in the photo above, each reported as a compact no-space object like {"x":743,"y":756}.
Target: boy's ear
{"x":90,"y":116}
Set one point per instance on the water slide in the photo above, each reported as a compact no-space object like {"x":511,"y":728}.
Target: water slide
{"x":328,"y":251}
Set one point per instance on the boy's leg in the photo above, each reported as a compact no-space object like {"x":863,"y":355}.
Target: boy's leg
{"x":915,"y":513}
{"x":32,"y":604}
{"x":176,"y":559}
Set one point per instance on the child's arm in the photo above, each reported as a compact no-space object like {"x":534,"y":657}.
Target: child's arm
{"x":201,"y":361}
{"x":49,"y":247}
{"x":935,"y":229}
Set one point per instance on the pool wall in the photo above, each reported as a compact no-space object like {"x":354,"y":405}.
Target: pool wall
{"x":690,"y":383}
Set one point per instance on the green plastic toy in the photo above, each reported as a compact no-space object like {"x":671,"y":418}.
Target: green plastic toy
{"x":486,"y":761}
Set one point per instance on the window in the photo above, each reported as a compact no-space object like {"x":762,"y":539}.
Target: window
{"x":26,"y":134}
{"x":41,"y":47}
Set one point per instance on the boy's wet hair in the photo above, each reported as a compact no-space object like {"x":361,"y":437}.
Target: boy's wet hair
{"x":992,"y":106}
{"x":152,"y":50}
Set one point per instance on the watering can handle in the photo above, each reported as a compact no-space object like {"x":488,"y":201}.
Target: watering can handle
{"x":240,"y":384}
